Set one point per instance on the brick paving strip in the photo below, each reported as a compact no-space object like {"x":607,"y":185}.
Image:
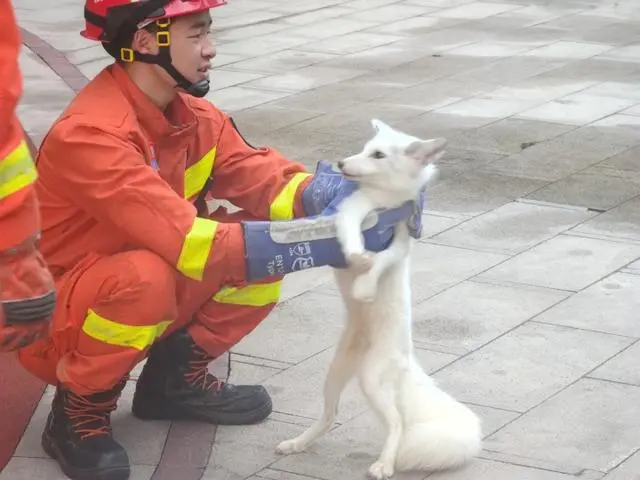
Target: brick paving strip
{"x":188,"y":445}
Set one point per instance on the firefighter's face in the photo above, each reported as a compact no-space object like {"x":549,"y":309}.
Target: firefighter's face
{"x":192,"y":45}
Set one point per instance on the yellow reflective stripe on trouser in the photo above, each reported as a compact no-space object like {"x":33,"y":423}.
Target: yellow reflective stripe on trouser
{"x":282,"y":206}
{"x":196,"y":175}
{"x":17,"y":170}
{"x":196,"y":248}
{"x":113,"y":333}
{"x":257,"y":295}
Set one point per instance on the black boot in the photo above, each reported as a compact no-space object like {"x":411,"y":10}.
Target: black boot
{"x":78,"y":436}
{"x":175,"y":384}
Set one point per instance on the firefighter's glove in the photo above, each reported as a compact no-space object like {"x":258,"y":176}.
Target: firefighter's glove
{"x":279,"y":248}
{"x":329,"y":187}
{"x":27,"y":297}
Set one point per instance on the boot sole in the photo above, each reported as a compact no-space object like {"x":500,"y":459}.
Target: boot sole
{"x":114,"y":473}
{"x":256,"y":415}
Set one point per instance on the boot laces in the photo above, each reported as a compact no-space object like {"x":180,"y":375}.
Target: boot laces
{"x":198,"y":372}
{"x":88,"y":417}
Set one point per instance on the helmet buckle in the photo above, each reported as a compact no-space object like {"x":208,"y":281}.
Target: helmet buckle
{"x":126,"y":54}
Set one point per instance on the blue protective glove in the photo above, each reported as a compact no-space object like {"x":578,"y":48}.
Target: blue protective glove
{"x":329,"y":187}
{"x":279,"y":248}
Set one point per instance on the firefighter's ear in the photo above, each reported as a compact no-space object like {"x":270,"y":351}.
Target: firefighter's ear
{"x":144,"y":42}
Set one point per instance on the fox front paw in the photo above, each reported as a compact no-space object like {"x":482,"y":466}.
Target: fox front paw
{"x":361,"y":262}
{"x":380,"y":471}
{"x":289,"y":446}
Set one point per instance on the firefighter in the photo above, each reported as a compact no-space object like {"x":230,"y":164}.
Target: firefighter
{"x":27,"y":290}
{"x":143,"y":268}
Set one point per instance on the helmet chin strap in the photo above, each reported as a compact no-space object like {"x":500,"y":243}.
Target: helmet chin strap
{"x":163,"y":59}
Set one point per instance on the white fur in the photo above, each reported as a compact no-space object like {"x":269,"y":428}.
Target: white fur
{"x":427,"y":429}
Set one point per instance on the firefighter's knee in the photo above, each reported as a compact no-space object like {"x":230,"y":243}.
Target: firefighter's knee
{"x":149,"y":283}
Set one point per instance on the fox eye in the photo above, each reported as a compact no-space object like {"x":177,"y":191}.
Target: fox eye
{"x":377,"y":154}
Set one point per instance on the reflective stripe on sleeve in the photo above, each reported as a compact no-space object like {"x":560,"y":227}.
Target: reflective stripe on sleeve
{"x":282,"y":207}
{"x":196,"y":175}
{"x":196,"y":248}
{"x":17,"y":170}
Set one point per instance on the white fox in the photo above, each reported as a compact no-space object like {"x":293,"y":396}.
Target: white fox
{"x":427,"y":429}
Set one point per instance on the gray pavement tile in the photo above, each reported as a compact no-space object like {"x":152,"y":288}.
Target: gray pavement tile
{"x":622,"y":120}
{"x":617,"y":34}
{"x":243,"y":373}
{"x":477,"y":10}
{"x":566,"y":262}
{"x":600,"y":67}
{"x":305,"y":78}
{"x":45,"y":469}
{"x":249,"y":31}
{"x":237,"y":97}
{"x":576,"y":109}
{"x":621,"y":368}
{"x":626,"y":161}
{"x":610,"y":305}
{"x":228,"y":78}
{"x":622,"y":222}
{"x":436,"y":268}
{"x":352,"y":448}
{"x":568,"y":50}
{"x":543,"y":87}
{"x":298,"y":390}
{"x":527,"y":365}
{"x":434,"y":224}
{"x":255,"y":47}
{"x":271,"y":474}
{"x":315,"y":16}
{"x":592,"y":424}
{"x":476,"y":192}
{"x":388,"y":13}
{"x":590,"y":190}
{"x":492,"y":310}
{"x":331,"y":28}
{"x":349,"y":43}
{"x":491,"y":470}
{"x":628,"y":470}
{"x":279,"y":62}
{"x":241,"y":451}
{"x":513,"y":228}
{"x":510,"y":135}
{"x":295,"y":331}
{"x":633,"y":268}
{"x":416,"y":25}
{"x":487,"y":108}
{"x":325,"y":98}
{"x":258,"y":122}
{"x":510,"y":70}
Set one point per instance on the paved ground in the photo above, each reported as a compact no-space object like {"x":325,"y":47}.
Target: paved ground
{"x":527,"y":284}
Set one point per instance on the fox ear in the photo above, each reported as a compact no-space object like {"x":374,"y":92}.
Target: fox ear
{"x":378,"y":124}
{"x":426,"y":151}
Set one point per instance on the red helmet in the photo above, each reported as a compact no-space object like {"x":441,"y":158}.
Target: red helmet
{"x":105,"y":19}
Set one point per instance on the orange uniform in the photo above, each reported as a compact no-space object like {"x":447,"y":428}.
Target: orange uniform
{"x":26,"y":287}
{"x":132,"y":259}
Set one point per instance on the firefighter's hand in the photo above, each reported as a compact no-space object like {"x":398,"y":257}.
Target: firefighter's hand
{"x":279,"y":248}
{"x":328,"y":186}
{"x":27,"y":297}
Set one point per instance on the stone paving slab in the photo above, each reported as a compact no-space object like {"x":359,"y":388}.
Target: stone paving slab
{"x":525,"y":284}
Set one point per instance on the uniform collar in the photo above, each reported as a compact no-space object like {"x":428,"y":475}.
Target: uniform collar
{"x":177,"y":125}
